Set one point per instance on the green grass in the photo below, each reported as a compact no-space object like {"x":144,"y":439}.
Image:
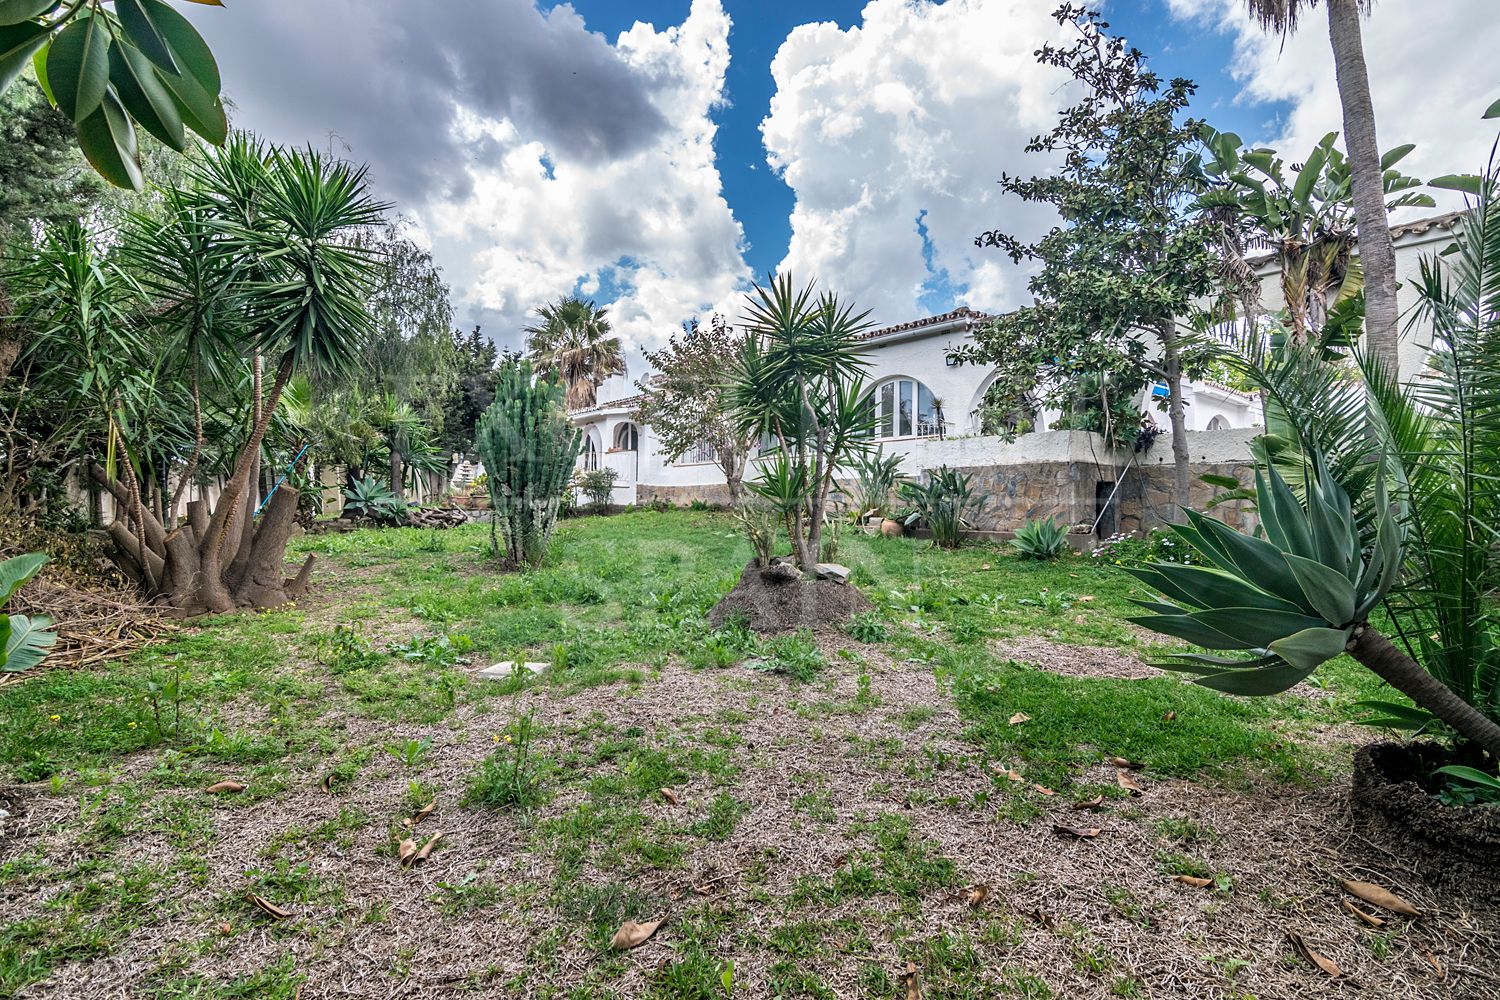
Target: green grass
{"x":367,"y":682}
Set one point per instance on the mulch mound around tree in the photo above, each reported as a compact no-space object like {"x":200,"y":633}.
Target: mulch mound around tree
{"x":1394,"y":804}
{"x":778,"y":598}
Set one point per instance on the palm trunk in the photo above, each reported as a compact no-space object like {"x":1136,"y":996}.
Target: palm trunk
{"x":1406,"y":675}
{"x":1376,"y":251}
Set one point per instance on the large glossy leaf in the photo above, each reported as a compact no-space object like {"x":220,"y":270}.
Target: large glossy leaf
{"x":14,"y":572}
{"x":107,"y":138}
{"x":1311,"y":647}
{"x":18,"y":43}
{"x":1493,"y":111}
{"x":144,"y":34}
{"x":28,"y":642}
{"x":189,"y":50}
{"x":201,"y":111}
{"x":78,"y":67}
{"x":1391,"y":157}
{"x":16,"y":11}
{"x":1208,"y":586}
{"x":143,"y":95}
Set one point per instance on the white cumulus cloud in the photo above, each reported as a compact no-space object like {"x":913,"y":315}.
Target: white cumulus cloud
{"x":913,"y":114}
{"x":1432,"y":74}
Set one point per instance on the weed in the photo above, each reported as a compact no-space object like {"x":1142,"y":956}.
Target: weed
{"x":345,"y":649}
{"x":436,"y":651}
{"x":511,"y":776}
{"x":867,"y":626}
{"x":409,"y":752}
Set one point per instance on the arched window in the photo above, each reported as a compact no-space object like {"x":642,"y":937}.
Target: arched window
{"x":1218,"y":423}
{"x":627,"y":438}
{"x":905,"y":408}
{"x":590,"y":453}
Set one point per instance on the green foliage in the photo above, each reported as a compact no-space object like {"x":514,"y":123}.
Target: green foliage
{"x":373,"y":499}
{"x":944,"y":503}
{"x":1043,"y":540}
{"x":599,"y":486}
{"x":1161,"y":545}
{"x":799,"y":382}
{"x":435,"y":651}
{"x":876,"y":476}
{"x":1291,"y":599}
{"x":1132,"y":256}
{"x":23,"y":641}
{"x":867,"y":626}
{"x":571,"y":340}
{"x":529,"y":448}
{"x":140,"y":63}
{"x":511,"y":776}
{"x":345,"y":649}
{"x":1470,"y":786}
{"x":795,"y":655}
{"x":759,"y":521}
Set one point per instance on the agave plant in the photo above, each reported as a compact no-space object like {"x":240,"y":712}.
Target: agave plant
{"x":1394,"y":504}
{"x":371,"y":498}
{"x":1038,"y":539}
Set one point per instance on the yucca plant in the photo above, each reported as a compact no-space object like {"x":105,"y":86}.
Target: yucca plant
{"x":1395,"y":505}
{"x":1042,"y":540}
{"x":944,"y":503}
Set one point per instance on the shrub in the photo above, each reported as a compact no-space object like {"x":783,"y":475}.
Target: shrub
{"x":373,"y":499}
{"x":599,"y":486}
{"x":529,"y":448}
{"x":875,"y":478}
{"x":867,"y":626}
{"x":943,"y":503}
{"x":1045,"y":540}
{"x":758,"y":521}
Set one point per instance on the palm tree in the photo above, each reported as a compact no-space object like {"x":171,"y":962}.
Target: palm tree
{"x":1377,"y":254}
{"x":572,"y":339}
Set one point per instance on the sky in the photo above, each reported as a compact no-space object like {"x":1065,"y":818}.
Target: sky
{"x":660,"y":155}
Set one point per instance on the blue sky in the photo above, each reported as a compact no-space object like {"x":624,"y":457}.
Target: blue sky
{"x":763,"y":202}
{"x":659,"y":155}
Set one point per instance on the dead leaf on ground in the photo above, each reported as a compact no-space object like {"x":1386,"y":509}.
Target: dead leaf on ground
{"x":220,"y":787}
{"x":423,"y":812}
{"x":669,"y":795}
{"x":267,"y":907}
{"x":1129,"y":765}
{"x":1076,"y":831}
{"x":406,"y":851}
{"x":1193,"y":880}
{"x":1301,"y":947}
{"x":1043,"y":789}
{"x":1381,"y":897}
{"x":225,"y":929}
{"x":976,"y":895}
{"x":1436,"y":965}
{"x":1170,"y":716}
{"x":426,"y":850}
{"x":328,"y":783}
{"x":632,"y":934}
{"x":1006,"y":772}
{"x":912,"y":982}
{"x":1093,"y":803}
{"x":1367,"y":918}
{"x":1018,"y":718}
{"x":1047,"y":920}
{"x":986,"y":566}
{"x":1125,"y":781}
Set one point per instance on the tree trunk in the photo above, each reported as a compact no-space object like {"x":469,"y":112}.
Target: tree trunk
{"x":1177,"y":417}
{"x":398,"y":475}
{"x":1376,"y":251}
{"x":1406,"y":675}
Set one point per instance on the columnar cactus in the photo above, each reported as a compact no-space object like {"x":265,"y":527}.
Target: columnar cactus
{"x":529,"y":448}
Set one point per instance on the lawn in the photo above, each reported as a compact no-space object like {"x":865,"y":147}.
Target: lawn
{"x":812,"y":816}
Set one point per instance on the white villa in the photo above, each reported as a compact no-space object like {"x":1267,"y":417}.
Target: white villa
{"x":928,"y":410}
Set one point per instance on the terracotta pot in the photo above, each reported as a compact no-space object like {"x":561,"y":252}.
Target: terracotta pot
{"x":892,"y":529}
{"x":1394,"y":802}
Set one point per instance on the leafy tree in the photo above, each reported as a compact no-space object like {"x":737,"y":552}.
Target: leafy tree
{"x":685,"y":400}
{"x":42,"y":177}
{"x":110,"y":68}
{"x":529,"y":448}
{"x":799,"y":381}
{"x":472,"y":389}
{"x":289,"y":286}
{"x":1130,"y":256}
{"x":572,"y":339}
{"x":1377,"y":252}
